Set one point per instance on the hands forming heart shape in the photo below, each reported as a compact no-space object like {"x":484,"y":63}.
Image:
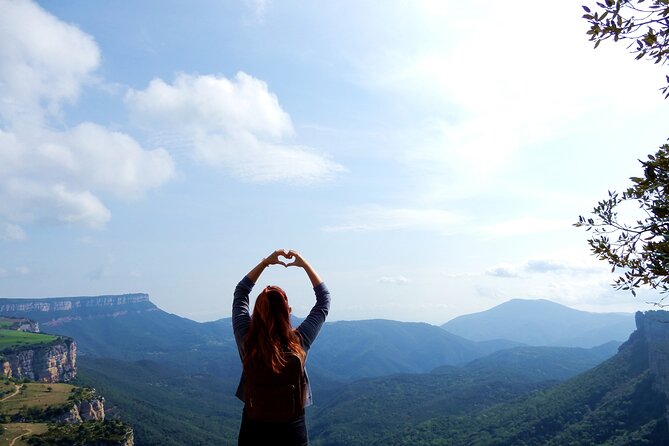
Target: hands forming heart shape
{"x":281,"y":257}
{"x":287,"y":260}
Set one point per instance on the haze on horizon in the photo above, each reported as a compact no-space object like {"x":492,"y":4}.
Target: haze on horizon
{"x":428,"y":158}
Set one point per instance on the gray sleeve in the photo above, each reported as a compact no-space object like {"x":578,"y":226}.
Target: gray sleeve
{"x":240,"y":312}
{"x":310,"y":327}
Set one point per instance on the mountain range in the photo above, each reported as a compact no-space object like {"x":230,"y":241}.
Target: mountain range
{"x":173,"y":379}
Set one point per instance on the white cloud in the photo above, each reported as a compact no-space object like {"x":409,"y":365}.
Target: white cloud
{"x":10,"y":231}
{"x":43,"y":61}
{"x":59,"y":176}
{"x":495,"y":81}
{"x":23,"y":270}
{"x":236,"y":124}
{"x":505,"y":271}
{"x":548,"y":266}
{"x":258,"y":9}
{"x":395,"y":280}
{"x":18,"y":271}
{"x":378,"y":218}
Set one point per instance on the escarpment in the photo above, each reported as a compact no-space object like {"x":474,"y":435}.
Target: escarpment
{"x":54,"y":361}
{"x":55,"y":311}
{"x":654,"y":327}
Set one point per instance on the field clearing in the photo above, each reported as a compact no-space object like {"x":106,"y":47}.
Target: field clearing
{"x":37,"y":395}
{"x":13,"y":338}
{"x":13,"y":430}
{"x":6,"y":387}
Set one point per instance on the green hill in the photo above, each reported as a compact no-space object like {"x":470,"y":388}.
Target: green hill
{"x":615,"y":403}
{"x":12,"y":340}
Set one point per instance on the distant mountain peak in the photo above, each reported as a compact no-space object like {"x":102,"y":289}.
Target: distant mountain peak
{"x":542,"y":322}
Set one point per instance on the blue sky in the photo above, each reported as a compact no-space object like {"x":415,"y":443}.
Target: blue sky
{"x":428,"y":157}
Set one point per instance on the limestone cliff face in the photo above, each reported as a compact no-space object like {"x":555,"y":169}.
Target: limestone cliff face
{"x":654,"y":327}
{"x":54,"y":362}
{"x":92,"y":409}
{"x":54,"y":311}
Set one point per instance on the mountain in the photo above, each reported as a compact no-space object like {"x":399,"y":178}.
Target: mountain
{"x":173,"y":379}
{"x":544,"y":363}
{"x":130,"y":327}
{"x":356,"y":349}
{"x":622,"y":401}
{"x":542,"y":322}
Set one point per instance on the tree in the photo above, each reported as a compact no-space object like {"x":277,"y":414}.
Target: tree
{"x":645,"y":25}
{"x":639,"y":247}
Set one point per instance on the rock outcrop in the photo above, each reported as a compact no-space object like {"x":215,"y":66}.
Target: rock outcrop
{"x":92,"y":409}
{"x":654,"y":327}
{"x":53,"y":362}
{"x":55,"y":311}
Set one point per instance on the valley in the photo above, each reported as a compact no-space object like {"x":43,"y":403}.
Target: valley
{"x":374,"y":382}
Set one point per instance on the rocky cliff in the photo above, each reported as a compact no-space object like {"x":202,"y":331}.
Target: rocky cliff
{"x":53,"y":311}
{"x":654,"y":327}
{"x":91,"y":408}
{"x":53,"y":362}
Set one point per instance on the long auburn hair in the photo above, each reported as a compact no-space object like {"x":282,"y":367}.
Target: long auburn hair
{"x":270,"y":334}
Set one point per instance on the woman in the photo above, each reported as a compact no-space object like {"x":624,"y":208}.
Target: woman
{"x":268,"y":346}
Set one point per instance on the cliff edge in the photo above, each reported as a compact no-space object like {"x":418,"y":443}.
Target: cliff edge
{"x":654,"y":327}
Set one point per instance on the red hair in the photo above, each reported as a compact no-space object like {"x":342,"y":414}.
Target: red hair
{"x":270,"y":334}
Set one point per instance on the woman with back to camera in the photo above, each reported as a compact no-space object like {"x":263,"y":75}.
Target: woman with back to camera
{"x":274,"y":384}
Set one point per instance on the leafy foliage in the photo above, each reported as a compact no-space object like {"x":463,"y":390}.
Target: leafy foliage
{"x":108,"y":432}
{"x":165,"y":406}
{"x":613,"y":404}
{"x":644,"y":24}
{"x":640,"y":247}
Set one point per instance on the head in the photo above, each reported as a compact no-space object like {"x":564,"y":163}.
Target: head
{"x":272,"y":307}
{"x":271,"y":334}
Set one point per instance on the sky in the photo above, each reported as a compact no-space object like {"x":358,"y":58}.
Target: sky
{"x":428,"y":158}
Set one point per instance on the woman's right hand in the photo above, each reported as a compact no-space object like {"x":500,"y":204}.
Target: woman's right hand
{"x":273,"y":258}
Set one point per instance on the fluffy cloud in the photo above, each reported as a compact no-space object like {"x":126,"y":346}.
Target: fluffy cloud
{"x":395,"y":280}
{"x":43,"y":61}
{"x":10,"y":231}
{"x":59,"y":176}
{"x":18,"y":271}
{"x":544,"y":266}
{"x":236,"y":124}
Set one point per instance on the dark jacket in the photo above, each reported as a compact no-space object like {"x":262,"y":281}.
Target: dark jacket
{"x":308,"y":329}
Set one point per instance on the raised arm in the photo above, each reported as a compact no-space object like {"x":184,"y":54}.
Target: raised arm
{"x":240,"y":304}
{"x":301,"y":262}
{"x":311,"y":326}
